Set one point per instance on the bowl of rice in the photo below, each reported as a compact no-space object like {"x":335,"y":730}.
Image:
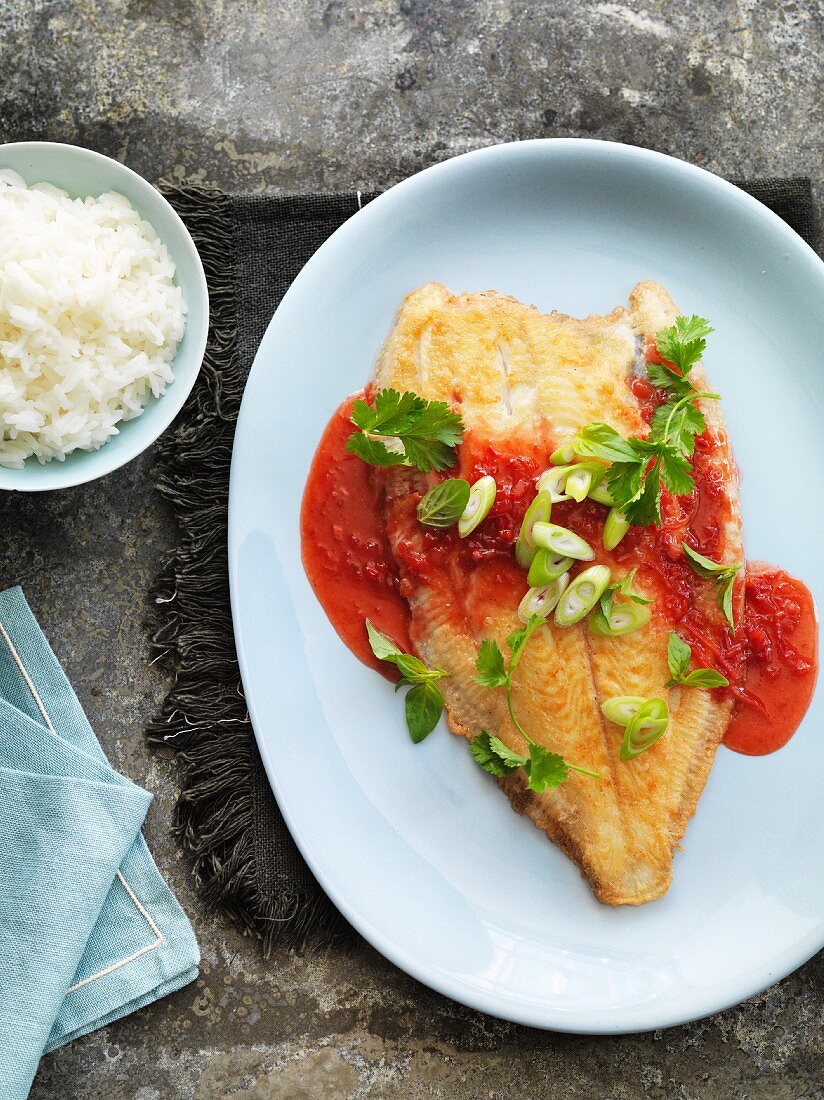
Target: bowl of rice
{"x":104,"y":312}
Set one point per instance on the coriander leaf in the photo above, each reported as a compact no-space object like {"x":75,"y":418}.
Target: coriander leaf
{"x":427,"y":455}
{"x":428,"y":431}
{"x":705,"y":678}
{"x":602,"y":441}
{"x":645,"y":509}
{"x":686,"y":422}
{"x":624,"y":480}
{"x":684,"y":343}
{"x":383,"y":648}
{"x":517,"y":641}
{"x":725,"y":597}
{"x":373,"y":451}
{"x":676,"y":472}
{"x":667,"y":379}
{"x":424,"y":706}
{"x":444,"y":504}
{"x":483,"y":754}
{"x":490,"y":665}
{"x":545,"y":769}
{"x":392,"y":414}
{"x":679,"y":655}
{"x":510,"y":758}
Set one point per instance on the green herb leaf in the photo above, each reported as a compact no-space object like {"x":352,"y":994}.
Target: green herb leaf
{"x":721,"y":575}
{"x":676,"y":472}
{"x":429,"y":431}
{"x":484,"y":754}
{"x":517,"y":641}
{"x":383,"y":648}
{"x":510,"y":758}
{"x":705,"y":678}
{"x":443,"y":505}
{"x":424,"y":701}
{"x":665,"y":378}
{"x":678,"y":425}
{"x":491,"y":672}
{"x":545,"y":769}
{"x":625,"y":588}
{"x":424,"y":706}
{"x":602,"y":441}
{"x":373,"y":451}
{"x":724,"y":598}
{"x":679,"y":655}
{"x":645,"y":509}
{"x":683,"y":343}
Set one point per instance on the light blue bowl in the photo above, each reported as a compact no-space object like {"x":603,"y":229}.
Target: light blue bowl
{"x":82,"y":172}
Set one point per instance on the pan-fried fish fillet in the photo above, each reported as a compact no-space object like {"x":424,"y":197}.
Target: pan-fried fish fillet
{"x":525,"y":382}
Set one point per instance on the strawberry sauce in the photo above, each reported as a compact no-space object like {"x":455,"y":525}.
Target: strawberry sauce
{"x":770,"y":659}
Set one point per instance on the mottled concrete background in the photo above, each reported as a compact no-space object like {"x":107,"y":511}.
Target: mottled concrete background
{"x":314,"y":94}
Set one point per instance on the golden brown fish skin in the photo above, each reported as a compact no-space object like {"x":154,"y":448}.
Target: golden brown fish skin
{"x":517,"y":374}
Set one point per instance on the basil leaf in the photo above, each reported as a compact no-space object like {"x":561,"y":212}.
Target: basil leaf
{"x":602,"y":441}
{"x":383,"y":648}
{"x":444,"y":504}
{"x":706,"y":567}
{"x":725,"y":598}
{"x":679,"y":655}
{"x":705,"y":678}
{"x":414,"y":671}
{"x":424,"y":706}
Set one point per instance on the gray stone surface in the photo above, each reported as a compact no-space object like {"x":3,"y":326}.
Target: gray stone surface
{"x":293,"y":94}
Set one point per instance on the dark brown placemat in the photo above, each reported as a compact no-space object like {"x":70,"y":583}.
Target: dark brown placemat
{"x":252,"y":247}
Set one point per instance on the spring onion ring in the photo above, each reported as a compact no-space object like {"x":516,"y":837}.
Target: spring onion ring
{"x":646,"y":726}
{"x":542,"y":601}
{"x":624,"y":618}
{"x":547,"y":567}
{"x":615,"y":527}
{"x":582,"y":595}
{"x":481,"y":498}
{"x":539,"y":511}
{"x":561,"y":540}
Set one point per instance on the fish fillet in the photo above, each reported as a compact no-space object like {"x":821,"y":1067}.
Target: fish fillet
{"x":525,"y":382}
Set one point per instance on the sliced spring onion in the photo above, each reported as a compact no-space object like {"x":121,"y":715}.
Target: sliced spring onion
{"x":582,"y":477}
{"x":479,"y":505}
{"x":553,"y":481}
{"x":539,"y":511}
{"x":563,"y":456}
{"x":624,"y":618}
{"x":648,"y":723}
{"x":601,"y":495}
{"x":615,"y":528}
{"x":582,"y":595}
{"x":561,"y":540}
{"x":542,"y":601}
{"x":620,"y":708}
{"x":547,"y":567}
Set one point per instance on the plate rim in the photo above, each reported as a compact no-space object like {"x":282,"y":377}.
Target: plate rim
{"x":444,"y":983}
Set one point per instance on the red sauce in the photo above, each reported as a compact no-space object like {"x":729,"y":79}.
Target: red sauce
{"x":770,"y":660}
{"x":781,"y":641}
{"x":344,"y":545}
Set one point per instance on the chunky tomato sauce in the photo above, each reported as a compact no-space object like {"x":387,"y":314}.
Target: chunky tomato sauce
{"x":344,"y":545}
{"x":770,"y":659}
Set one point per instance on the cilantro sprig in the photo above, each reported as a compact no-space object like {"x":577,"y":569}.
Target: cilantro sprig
{"x":722,"y":577}
{"x":403,"y":429}
{"x":640,"y":467}
{"x":424,"y":701}
{"x":679,"y":655}
{"x":544,"y":769}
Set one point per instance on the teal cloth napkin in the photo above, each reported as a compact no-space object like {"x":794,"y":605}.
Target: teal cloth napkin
{"x":89,"y":931}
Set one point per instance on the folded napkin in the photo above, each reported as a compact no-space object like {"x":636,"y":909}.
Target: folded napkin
{"x":89,"y":931}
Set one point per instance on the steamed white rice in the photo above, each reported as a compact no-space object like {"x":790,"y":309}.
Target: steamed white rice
{"x":90,"y":319}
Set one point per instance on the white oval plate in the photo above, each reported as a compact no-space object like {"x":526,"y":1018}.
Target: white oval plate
{"x":415,"y":844}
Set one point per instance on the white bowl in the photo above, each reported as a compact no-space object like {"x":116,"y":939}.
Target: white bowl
{"x":81,"y":173}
